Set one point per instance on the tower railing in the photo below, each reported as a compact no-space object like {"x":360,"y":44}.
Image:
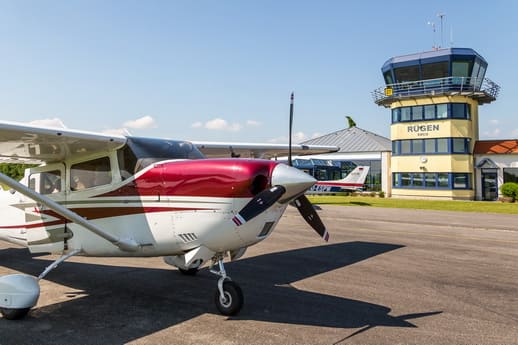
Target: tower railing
{"x":482,"y":89}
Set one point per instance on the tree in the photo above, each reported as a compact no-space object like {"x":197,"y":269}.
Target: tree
{"x":351,"y":122}
{"x":15,"y":171}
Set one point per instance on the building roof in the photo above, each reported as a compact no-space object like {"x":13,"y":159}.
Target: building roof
{"x":496,"y":146}
{"x":353,"y":139}
{"x":431,"y":55}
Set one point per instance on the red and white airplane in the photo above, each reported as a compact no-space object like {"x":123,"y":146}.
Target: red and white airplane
{"x":353,"y":182}
{"x":107,"y":196}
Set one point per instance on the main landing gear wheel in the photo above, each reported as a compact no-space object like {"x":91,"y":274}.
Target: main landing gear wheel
{"x":14,"y":314}
{"x":231,"y":302}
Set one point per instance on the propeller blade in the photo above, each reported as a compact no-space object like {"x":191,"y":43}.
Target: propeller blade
{"x":311,"y":216}
{"x":260,"y":203}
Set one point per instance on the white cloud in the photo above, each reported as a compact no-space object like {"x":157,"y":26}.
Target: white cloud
{"x":53,"y":123}
{"x":515,"y":132}
{"x":298,"y":137}
{"x":197,"y":124}
{"x":493,"y":133}
{"x":219,"y":124}
{"x":141,"y":123}
{"x":295,"y":138}
{"x":494,"y":122}
{"x":279,"y":140}
{"x":253,"y":123}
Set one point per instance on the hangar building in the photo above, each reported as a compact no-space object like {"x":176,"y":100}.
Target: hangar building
{"x":357,"y":147}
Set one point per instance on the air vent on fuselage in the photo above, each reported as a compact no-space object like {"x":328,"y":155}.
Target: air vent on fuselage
{"x":188,"y":237}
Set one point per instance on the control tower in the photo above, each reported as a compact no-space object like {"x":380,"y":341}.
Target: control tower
{"x":434,"y":98}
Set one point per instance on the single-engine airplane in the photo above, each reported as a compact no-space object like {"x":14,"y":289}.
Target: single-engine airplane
{"x":107,"y":196}
{"x":353,"y":182}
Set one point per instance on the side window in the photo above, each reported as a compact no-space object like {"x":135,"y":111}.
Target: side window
{"x":90,"y":174}
{"x":48,"y":182}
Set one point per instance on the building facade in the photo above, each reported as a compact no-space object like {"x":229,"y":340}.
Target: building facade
{"x":496,"y":162}
{"x":433,"y":99}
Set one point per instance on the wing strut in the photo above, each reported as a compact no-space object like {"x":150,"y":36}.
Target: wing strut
{"x":125,"y":244}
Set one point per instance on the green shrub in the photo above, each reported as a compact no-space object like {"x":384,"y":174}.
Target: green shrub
{"x":509,"y":189}
{"x":381,"y":194}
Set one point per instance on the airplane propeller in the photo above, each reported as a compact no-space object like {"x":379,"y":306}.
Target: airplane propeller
{"x":291,"y":183}
{"x":302,"y":203}
{"x":260,"y":203}
{"x":311,"y":216}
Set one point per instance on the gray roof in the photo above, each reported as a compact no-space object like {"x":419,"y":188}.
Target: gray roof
{"x":353,"y":139}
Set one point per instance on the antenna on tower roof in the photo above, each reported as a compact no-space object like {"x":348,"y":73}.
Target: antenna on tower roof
{"x":441,"y":15}
{"x":432,"y":24}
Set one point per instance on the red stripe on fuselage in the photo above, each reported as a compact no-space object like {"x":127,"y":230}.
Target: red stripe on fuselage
{"x":92,"y":213}
{"x":338,"y":184}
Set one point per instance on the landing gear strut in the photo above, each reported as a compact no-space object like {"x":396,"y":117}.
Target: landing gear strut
{"x":229,"y":296}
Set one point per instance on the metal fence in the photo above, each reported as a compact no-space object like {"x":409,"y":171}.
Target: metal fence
{"x":482,"y":89}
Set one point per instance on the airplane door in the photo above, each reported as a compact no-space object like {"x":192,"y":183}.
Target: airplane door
{"x":46,"y":231}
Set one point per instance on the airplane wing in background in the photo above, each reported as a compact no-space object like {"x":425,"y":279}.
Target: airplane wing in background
{"x":24,"y":144}
{"x":258,"y":150}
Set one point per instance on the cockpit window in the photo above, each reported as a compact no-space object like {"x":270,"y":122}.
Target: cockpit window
{"x":48,"y":182}
{"x":140,"y":152}
{"x":89,"y":174}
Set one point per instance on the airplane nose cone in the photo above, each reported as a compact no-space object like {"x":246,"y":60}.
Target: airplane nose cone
{"x":295,"y":181}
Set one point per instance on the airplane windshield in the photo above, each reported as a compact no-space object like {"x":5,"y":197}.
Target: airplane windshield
{"x":140,"y":152}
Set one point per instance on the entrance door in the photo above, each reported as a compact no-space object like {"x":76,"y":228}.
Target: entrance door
{"x":489,"y":186}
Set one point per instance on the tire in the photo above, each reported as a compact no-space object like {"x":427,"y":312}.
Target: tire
{"x":14,"y":314}
{"x":233,"y":299}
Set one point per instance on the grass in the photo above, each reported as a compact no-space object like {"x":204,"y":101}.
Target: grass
{"x":441,"y":205}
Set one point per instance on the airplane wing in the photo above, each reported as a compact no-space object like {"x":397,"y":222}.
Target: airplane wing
{"x":22,"y":143}
{"x":29,"y":144}
{"x":258,"y":150}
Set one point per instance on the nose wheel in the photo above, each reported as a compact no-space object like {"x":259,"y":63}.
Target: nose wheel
{"x":229,"y":296}
{"x":231,"y":300}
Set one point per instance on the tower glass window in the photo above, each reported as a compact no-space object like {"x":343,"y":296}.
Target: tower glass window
{"x":442,"y":145}
{"x":460,"y":68}
{"x":435,"y":70}
{"x":442,"y":111}
{"x":417,"y":113}
{"x":431,"y":146}
{"x":406,"y":114}
{"x":429,"y":112}
{"x":405,"y":74}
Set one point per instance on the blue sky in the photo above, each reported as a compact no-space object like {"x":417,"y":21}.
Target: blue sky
{"x":224,"y":70}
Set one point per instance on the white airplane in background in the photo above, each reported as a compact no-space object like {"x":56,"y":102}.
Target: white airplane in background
{"x":107,"y":196}
{"x":353,"y":182}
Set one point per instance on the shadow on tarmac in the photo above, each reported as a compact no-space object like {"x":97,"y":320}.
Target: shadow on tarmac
{"x":117,"y":304}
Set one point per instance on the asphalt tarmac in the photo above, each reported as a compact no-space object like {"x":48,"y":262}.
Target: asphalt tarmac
{"x":387,"y":276}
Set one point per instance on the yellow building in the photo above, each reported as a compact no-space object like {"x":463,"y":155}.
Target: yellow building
{"x":434,"y":98}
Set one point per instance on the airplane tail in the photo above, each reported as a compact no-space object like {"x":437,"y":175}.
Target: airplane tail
{"x":357,"y":176}
{"x":353,"y":182}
